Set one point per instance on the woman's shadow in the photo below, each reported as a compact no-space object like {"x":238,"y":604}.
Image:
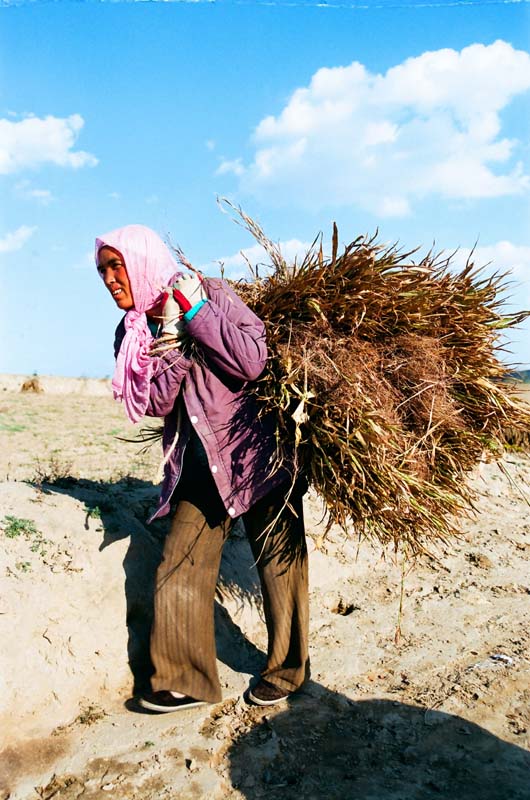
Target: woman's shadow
{"x":328,"y":747}
{"x":121,"y":508}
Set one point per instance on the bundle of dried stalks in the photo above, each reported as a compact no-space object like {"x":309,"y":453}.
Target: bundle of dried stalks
{"x":387,"y":373}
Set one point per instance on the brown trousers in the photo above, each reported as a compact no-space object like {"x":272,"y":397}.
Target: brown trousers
{"x":183,"y":637}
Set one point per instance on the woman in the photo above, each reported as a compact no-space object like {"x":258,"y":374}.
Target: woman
{"x":219,"y":465}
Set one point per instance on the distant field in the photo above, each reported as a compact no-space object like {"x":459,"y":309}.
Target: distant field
{"x":69,"y":433}
{"x":53,"y":384}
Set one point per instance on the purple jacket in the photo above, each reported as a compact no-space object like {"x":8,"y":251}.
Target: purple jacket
{"x":212,"y":394}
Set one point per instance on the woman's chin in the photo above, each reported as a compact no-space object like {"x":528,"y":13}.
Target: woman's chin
{"x":124,"y":303}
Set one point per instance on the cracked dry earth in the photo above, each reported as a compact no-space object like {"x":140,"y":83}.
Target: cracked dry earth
{"x":441,"y":711}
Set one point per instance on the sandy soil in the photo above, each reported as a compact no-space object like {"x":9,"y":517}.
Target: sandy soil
{"x":440,"y":711}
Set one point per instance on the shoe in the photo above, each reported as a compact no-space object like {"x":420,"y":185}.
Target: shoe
{"x":266,"y":694}
{"x":165,"y":701}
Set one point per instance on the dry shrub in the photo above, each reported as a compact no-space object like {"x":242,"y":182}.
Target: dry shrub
{"x":32,"y":385}
{"x":52,"y":470}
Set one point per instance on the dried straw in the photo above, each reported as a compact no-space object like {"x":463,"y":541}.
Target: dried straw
{"x":387,"y":374}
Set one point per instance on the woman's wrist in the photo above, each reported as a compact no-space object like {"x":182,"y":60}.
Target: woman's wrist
{"x":188,"y":316}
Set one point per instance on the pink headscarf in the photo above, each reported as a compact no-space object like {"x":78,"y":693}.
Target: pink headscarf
{"x":150,"y":266}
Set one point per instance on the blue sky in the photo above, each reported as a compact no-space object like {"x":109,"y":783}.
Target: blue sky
{"x":405,"y":116}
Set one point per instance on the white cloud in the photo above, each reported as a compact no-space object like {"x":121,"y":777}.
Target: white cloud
{"x":236,"y":266}
{"x":25,"y":189}
{"x":16,"y":239}
{"x":504,"y":256}
{"x":210,"y":144}
{"x":235,"y":166}
{"x":43,"y":195}
{"x":33,"y":141}
{"x":428,"y":126}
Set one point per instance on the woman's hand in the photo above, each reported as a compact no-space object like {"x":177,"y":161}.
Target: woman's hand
{"x":173,"y":333}
{"x":188,"y":291}
{"x":171,"y":314}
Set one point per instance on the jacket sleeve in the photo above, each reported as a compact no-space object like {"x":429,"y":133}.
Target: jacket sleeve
{"x":168,"y":375}
{"x":230,"y":334}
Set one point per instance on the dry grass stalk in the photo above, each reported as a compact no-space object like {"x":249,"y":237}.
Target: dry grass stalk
{"x":392,"y":371}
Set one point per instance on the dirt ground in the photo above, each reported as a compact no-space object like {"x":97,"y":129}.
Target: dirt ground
{"x":439,"y":709}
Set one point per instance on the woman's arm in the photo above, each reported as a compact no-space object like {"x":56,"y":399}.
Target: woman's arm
{"x":230,"y":334}
{"x":169,"y":371}
{"x":168,"y":375}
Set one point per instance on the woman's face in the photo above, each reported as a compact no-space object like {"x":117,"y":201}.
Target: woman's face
{"x":112,"y":269}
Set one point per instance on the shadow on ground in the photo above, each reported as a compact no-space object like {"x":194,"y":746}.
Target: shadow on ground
{"x":121,"y":508}
{"x":327,"y":747}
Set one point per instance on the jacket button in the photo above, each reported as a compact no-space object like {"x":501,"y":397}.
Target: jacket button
{"x":194,"y":419}
{"x":231,"y":511}
{"x":214,"y":469}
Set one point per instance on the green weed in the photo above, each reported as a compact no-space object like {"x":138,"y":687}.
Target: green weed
{"x":93,"y":511}
{"x":16,"y":526}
